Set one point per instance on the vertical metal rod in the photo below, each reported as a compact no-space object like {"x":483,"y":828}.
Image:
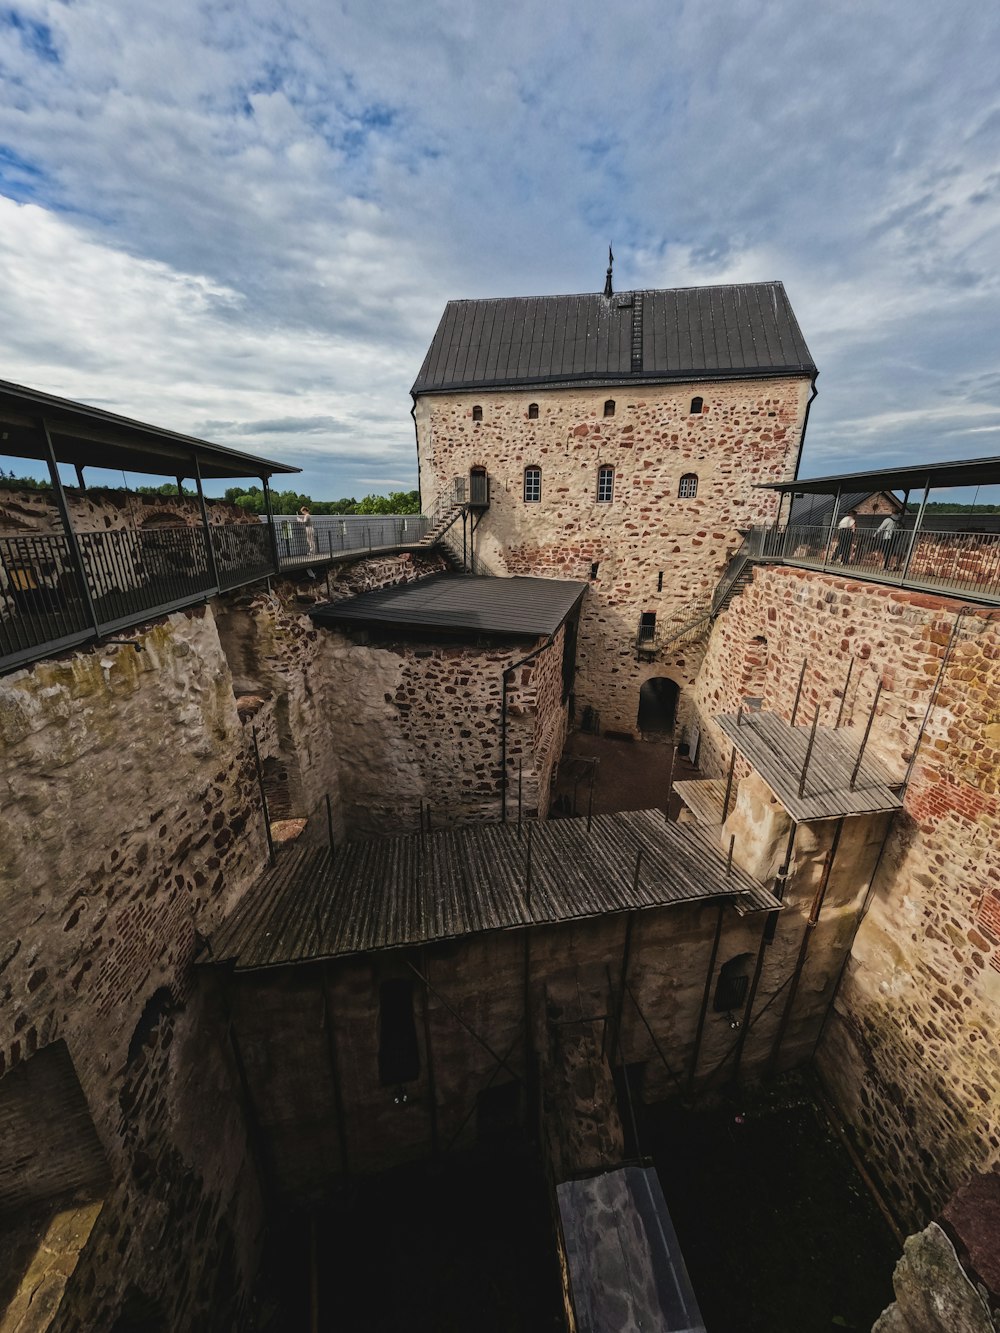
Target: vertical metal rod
{"x":807,"y":934}
{"x":520,"y":777}
{"x":808,"y":754}
{"x":313,"y":1278}
{"x":263,"y":796}
{"x":833,"y":523}
{"x":72,"y":540}
{"x":429,"y":1053}
{"x":748,"y":1011}
{"x":729,"y":785}
{"x":616,"y":1045}
{"x":868,"y":732}
{"x":798,"y":692}
{"x":527,"y":870}
{"x":329,"y":826}
{"x":843,"y":697}
{"x":338,"y":1092}
{"x":706,"y":995}
{"x":729,"y":858}
{"x":739,"y":715}
{"x":213,"y":567}
{"x":590,"y":797}
{"x":670,"y":775}
{"x":916,"y":530}
{"x":78,"y":469}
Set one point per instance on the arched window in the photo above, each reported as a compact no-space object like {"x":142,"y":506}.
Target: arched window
{"x":477,"y":413}
{"x":532,"y":411}
{"x":532,"y":484}
{"x":697,"y":405}
{"x":688,"y":486}
{"x":605,"y":484}
{"x":609,"y":408}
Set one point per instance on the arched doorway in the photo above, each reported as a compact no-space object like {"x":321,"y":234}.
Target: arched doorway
{"x":658,"y":705}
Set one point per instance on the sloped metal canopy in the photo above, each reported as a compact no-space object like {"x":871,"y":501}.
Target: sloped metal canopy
{"x":967,"y":472}
{"x":85,"y":436}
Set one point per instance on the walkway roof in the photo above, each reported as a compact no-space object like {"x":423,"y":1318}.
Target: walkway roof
{"x":394,"y":892}
{"x":520,"y":607}
{"x":968,"y":472}
{"x":87,"y":436}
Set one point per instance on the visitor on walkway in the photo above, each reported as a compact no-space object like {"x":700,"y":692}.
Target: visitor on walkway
{"x":887,"y":531}
{"x":845,"y":537}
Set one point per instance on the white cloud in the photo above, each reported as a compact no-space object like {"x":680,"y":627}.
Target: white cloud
{"x":254,"y":214}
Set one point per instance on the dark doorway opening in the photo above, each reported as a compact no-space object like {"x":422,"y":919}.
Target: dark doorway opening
{"x":658,"y":704}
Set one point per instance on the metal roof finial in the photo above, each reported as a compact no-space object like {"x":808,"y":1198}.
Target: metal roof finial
{"x":608,"y":288}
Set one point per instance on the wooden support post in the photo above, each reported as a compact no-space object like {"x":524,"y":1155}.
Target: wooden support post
{"x":706,"y":996}
{"x":868,"y":732}
{"x":810,"y":926}
{"x":338,"y":1094}
{"x":808,"y":754}
{"x":429,"y":1053}
{"x":798,"y":692}
{"x":729,"y":785}
{"x":329,"y":827}
{"x":263,"y":796}
{"x":843,"y":697}
{"x":748,"y":1010}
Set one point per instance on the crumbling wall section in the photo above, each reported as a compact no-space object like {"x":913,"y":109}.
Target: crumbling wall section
{"x":130,"y":823}
{"x":912,"y":1048}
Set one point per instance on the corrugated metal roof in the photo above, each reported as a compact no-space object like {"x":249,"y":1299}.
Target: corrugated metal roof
{"x":520,"y":607}
{"x":394,"y":892}
{"x":744,"y":330}
{"x":777,"y":751}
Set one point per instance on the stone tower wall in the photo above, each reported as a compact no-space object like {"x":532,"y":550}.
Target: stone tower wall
{"x":747,"y":432}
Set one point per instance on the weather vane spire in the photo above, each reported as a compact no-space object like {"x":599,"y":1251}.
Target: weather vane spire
{"x":608,"y":287}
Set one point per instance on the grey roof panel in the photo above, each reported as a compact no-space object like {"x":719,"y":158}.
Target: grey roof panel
{"x":519,"y":607}
{"x":746,"y":329}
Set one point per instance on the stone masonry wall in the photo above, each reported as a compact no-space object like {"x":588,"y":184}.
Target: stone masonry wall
{"x":912,"y":1049}
{"x":747,"y":432}
{"x":100,"y":510}
{"x":385,"y":726}
{"x":129,"y":822}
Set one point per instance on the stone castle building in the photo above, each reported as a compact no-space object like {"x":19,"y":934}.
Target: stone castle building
{"x":271,"y":919}
{"x":616,"y":438}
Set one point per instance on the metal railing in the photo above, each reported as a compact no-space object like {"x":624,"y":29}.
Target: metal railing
{"x":924,"y":558}
{"x":334,"y":534}
{"x":48,"y":601}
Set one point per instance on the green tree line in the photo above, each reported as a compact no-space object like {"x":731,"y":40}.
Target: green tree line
{"x":252,"y":499}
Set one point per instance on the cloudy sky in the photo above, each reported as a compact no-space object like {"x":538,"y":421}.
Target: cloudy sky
{"x":243,"y":219}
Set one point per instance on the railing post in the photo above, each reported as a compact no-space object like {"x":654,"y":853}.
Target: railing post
{"x":72,"y":541}
{"x":213,"y":567}
{"x":916,"y":530}
{"x":270,"y":524}
{"x":833,"y":524}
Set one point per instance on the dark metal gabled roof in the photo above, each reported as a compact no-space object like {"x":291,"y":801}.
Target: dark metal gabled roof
{"x":745,"y":330}
{"x":393,"y":892}
{"x":519,"y":607}
{"x":92,"y":437}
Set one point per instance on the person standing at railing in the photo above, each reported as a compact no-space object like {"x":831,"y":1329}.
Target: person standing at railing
{"x":887,"y":532}
{"x":845,"y":537}
{"x":305,"y":518}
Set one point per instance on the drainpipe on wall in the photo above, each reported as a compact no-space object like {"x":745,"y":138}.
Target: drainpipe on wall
{"x":805,"y":423}
{"x":509,"y":671}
